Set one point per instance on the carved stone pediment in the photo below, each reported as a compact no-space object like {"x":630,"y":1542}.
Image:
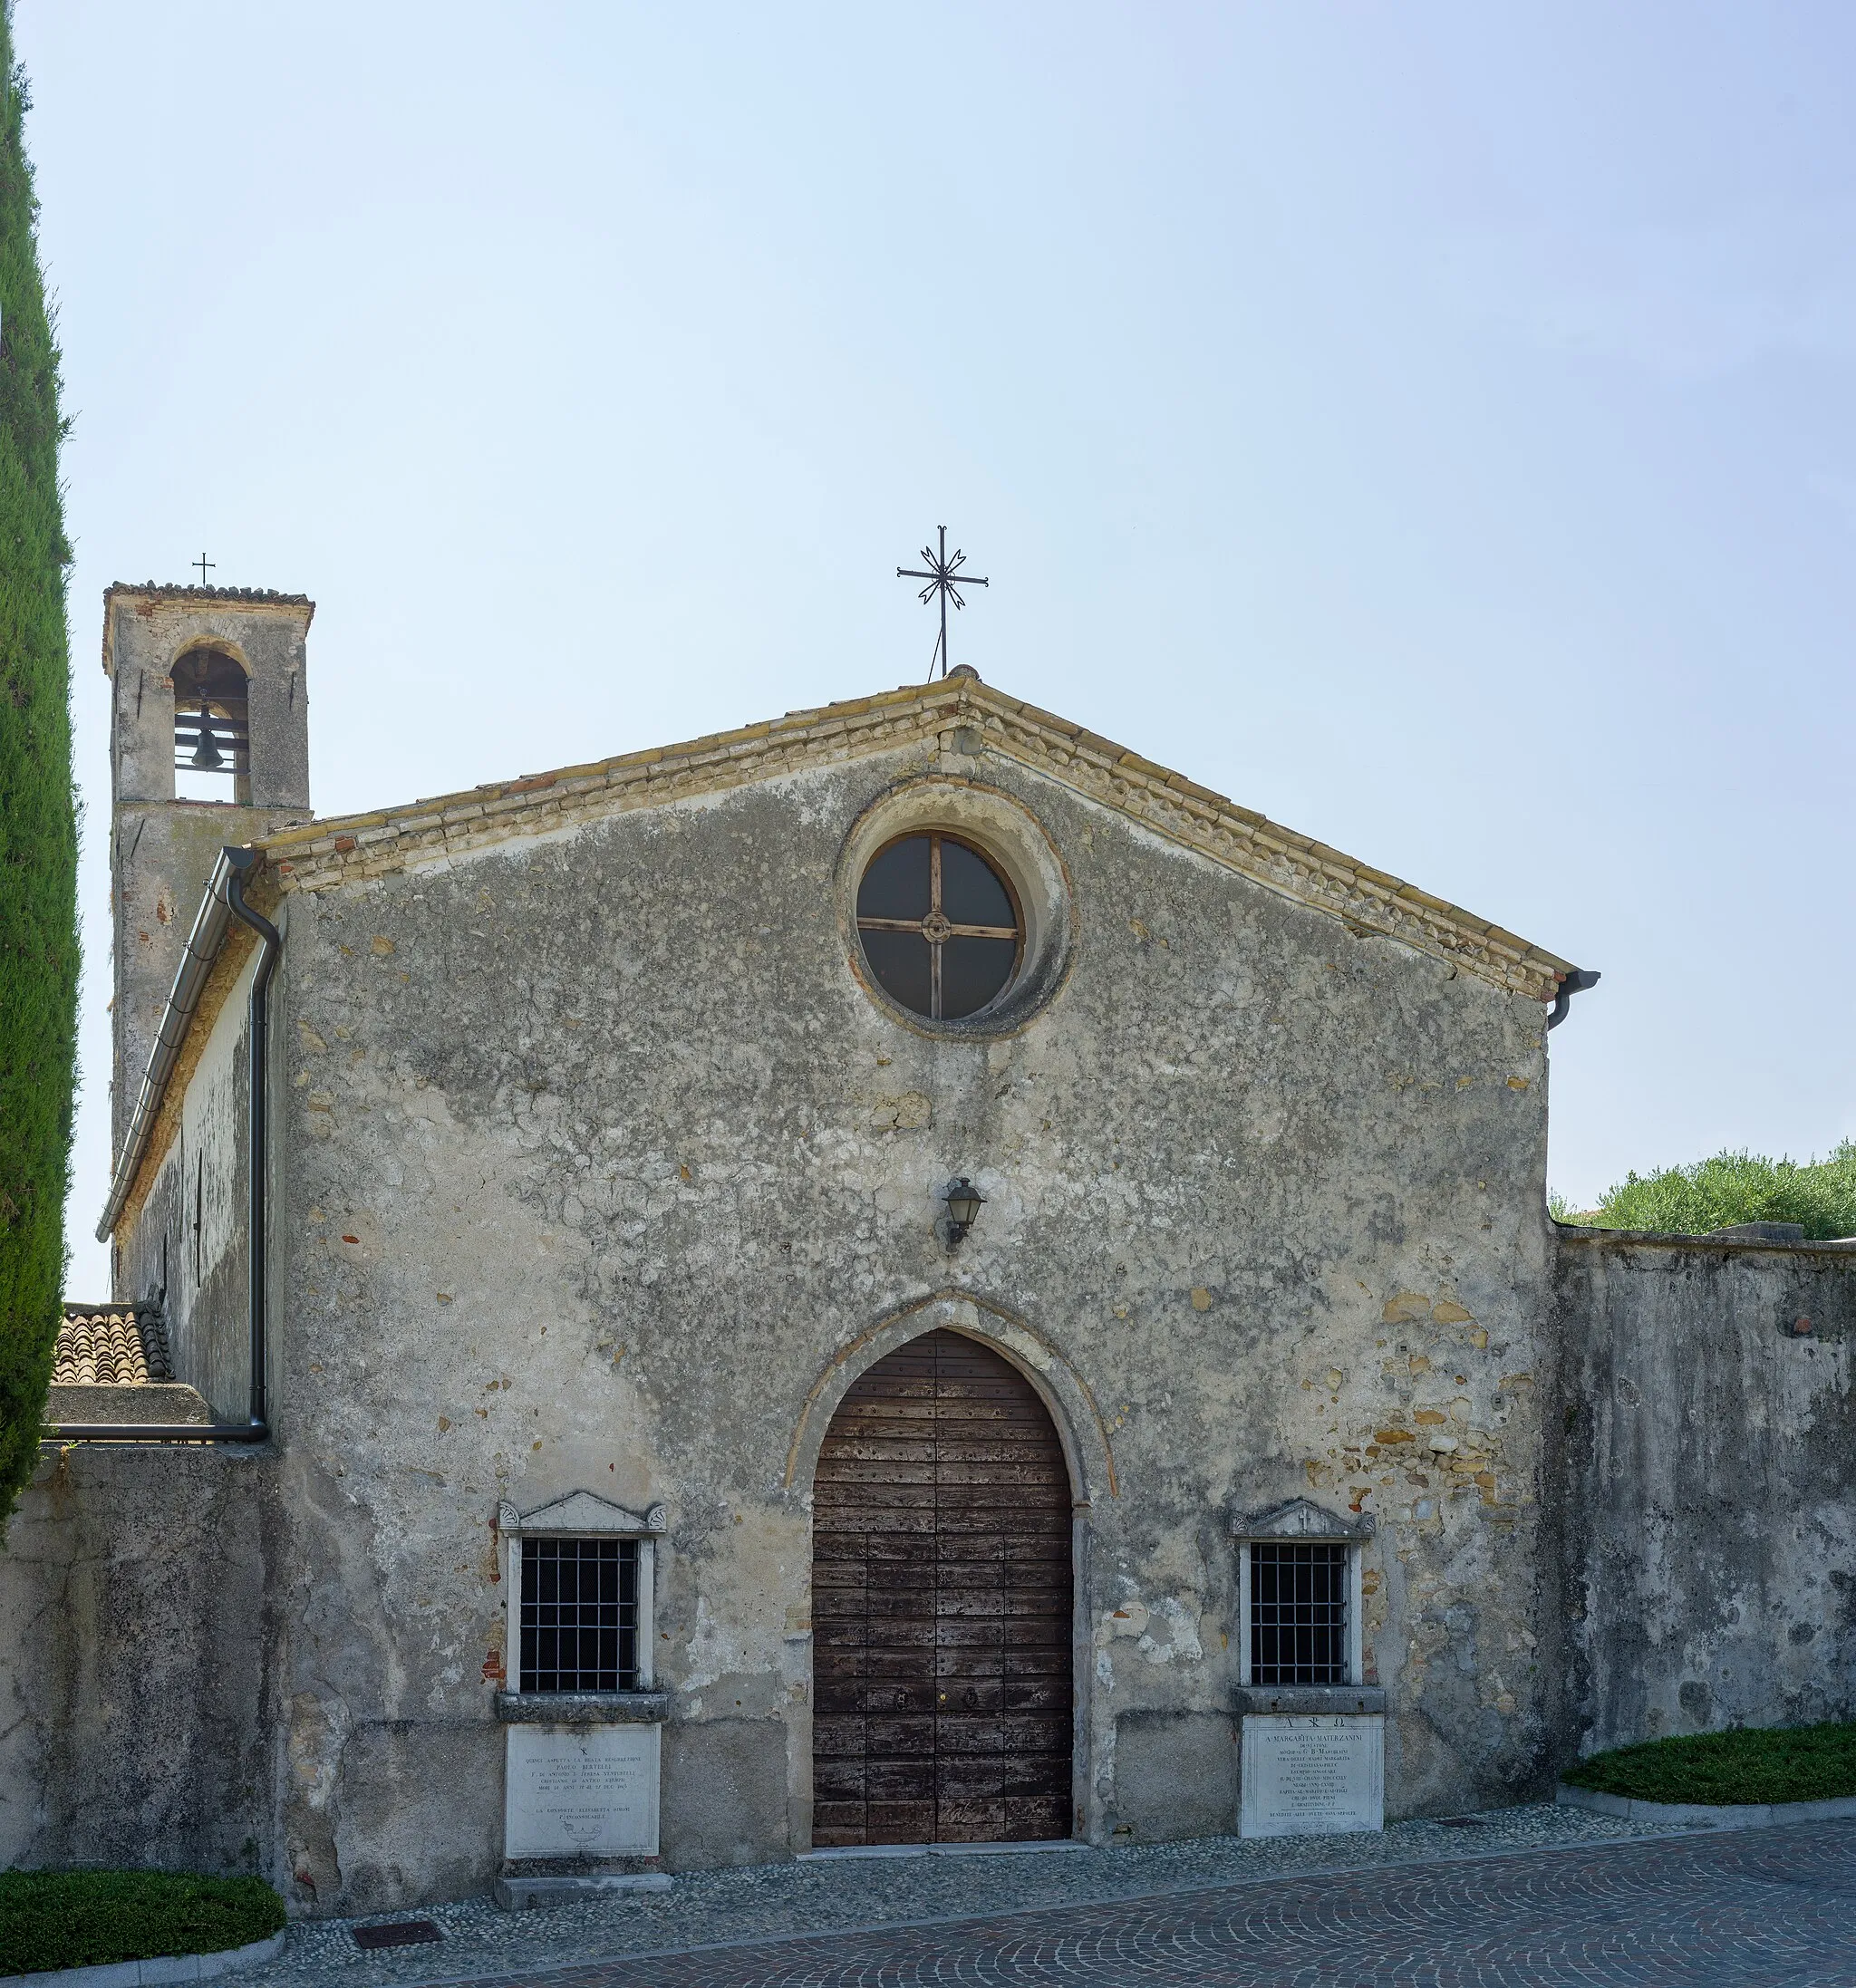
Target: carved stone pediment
{"x":1302,"y":1518}
{"x":582,"y":1512}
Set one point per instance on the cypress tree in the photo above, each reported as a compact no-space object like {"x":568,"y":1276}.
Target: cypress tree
{"x":38,"y":817}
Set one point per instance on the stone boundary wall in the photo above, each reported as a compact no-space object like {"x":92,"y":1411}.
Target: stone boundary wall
{"x":136,"y":1723}
{"x":1704,"y":1476}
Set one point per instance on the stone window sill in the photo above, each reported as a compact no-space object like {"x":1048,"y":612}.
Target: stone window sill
{"x":1328,"y":1700}
{"x":582,"y":1708}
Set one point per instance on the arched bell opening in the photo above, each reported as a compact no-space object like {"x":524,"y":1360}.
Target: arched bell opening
{"x":212,"y":731}
{"x":941,"y":1605}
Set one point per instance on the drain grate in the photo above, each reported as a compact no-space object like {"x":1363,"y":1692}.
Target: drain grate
{"x":401,"y":1933}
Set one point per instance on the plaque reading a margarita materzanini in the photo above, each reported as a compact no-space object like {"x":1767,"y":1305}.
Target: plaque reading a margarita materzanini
{"x":1313,"y":1774}
{"x":580,"y":1790}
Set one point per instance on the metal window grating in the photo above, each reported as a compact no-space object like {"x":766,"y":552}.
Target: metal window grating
{"x":1298,"y":1612}
{"x":402,"y":1933}
{"x":579,"y":1615}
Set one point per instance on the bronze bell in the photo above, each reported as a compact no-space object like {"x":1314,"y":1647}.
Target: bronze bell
{"x":206,"y":757}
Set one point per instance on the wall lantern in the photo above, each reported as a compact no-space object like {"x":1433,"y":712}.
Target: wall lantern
{"x":965,"y":1201}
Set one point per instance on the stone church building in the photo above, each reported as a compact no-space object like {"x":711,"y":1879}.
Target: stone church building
{"x":900,"y":1274}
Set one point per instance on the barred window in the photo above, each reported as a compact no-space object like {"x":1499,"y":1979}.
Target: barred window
{"x":579,"y":1615}
{"x":1298,"y":1606}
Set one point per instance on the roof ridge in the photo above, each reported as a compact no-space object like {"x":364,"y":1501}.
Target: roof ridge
{"x":791,"y":724}
{"x":319,"y":855}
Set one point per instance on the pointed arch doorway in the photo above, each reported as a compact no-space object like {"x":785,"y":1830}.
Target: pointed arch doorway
{"x":941,"y":1605}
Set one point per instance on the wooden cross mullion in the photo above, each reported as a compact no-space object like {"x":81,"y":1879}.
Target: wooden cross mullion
{"x":945,"y":928}
{"x":954,"y":931}
{"x":933,"y":906}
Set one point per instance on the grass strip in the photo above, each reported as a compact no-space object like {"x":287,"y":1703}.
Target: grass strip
{"x":89,"y":1918}
{"x":1750,"y":1764}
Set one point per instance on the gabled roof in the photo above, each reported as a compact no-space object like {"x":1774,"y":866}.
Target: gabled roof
{"x":959,"y":710}
{"x":323,"y":854}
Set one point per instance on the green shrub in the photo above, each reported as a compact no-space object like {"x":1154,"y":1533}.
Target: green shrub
{"x":1730,"y":1188}
{"x":88,"y":1918}
{"x":1795,"y":1763}
{"x":38,"y":822}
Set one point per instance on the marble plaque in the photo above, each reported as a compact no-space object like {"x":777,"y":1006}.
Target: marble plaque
{"x":580,"y":1790}
{"x":1313,"y":1775}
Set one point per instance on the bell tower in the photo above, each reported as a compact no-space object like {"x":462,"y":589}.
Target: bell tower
{"x":208,"y":746}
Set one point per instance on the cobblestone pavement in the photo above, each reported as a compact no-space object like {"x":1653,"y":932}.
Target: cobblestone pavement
{"x":850,"y":1894}
{"x":1773,"y":1907}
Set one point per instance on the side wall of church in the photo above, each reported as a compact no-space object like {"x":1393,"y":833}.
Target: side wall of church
{"x":600,"y":1163}
{"x":137,"y":1724}
{"x":1709,"y":1485}
{"x":187,"y":1242}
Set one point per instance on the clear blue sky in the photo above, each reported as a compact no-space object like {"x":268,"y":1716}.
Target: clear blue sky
{"x":1433,"y":424}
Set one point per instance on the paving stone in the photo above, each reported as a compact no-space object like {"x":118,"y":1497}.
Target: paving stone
{"x":771,"y":1900}
{"x":1706,"y":1911}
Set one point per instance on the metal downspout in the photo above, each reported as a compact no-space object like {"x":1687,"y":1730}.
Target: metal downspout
{"x":258,"y":1127}
{"x":1577,"y":981}
{"x":239,"y":864}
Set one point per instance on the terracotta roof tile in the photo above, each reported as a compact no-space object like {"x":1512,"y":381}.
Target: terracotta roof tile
{"x":243,"y":596}
{"x":112,"y":1346}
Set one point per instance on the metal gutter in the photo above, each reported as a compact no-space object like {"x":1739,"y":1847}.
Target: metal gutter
{"x":1575,"y":981}
{"x":154,"y":1431}
{"x":225,"y":901}
{"x":258,"y":1117}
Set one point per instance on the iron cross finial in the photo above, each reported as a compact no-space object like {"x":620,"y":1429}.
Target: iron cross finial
{"x":943,"y":577}
{"x":203,"y":562}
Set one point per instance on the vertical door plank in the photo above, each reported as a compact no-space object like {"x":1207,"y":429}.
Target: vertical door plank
{"x":941,"y":1596}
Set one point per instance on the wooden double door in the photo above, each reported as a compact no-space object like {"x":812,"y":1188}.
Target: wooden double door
{"x":941,"y":1607}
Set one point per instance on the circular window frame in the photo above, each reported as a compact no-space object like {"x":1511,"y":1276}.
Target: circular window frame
{"x":1001,"y":829}
{"x":980,"y":854}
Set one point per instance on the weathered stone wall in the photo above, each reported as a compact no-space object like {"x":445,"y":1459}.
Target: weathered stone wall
{"x":596,"y":1165}
{"x":187,"y":1240}
{"x":166,"y":852}
{"x":136,"y":1723}
{"x":1706,"y":1472}
{"x":601,"y":1162}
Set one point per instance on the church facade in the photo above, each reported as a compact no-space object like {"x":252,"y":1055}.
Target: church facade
{"x":907,"y":1271}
